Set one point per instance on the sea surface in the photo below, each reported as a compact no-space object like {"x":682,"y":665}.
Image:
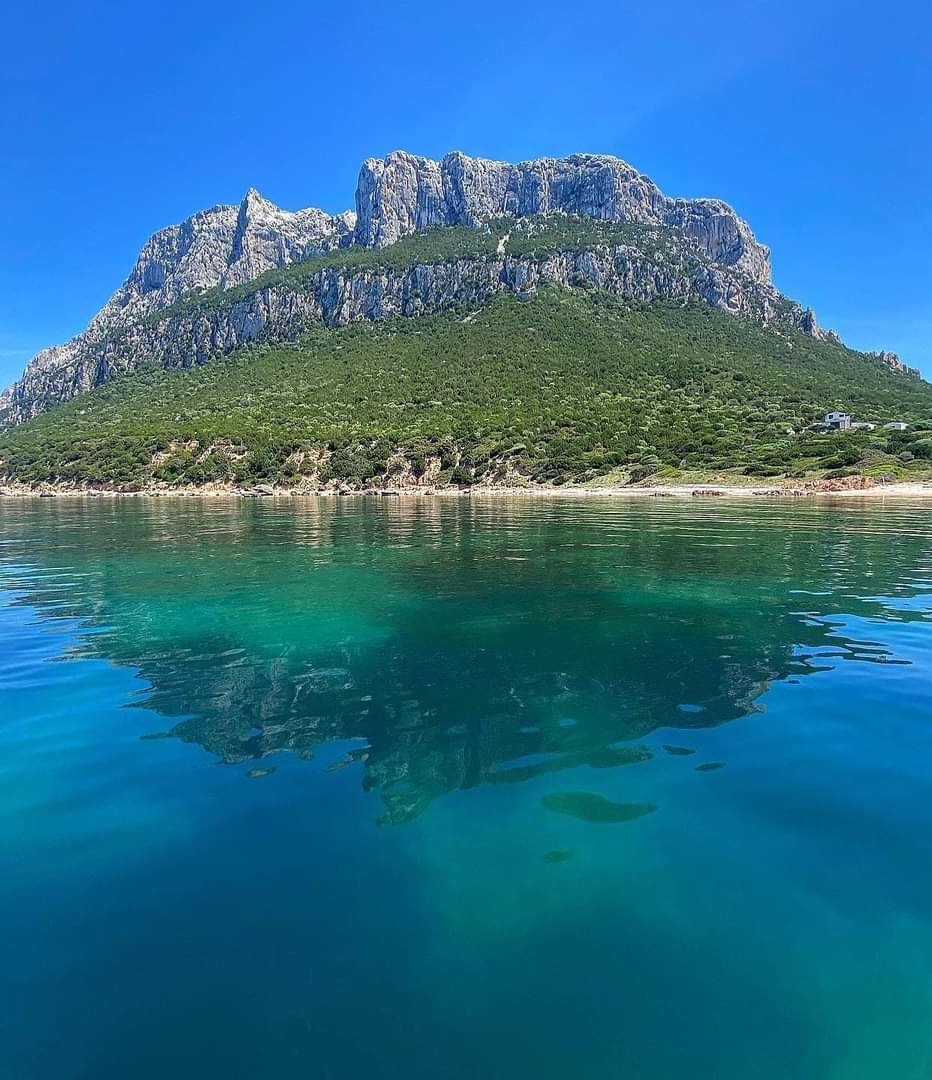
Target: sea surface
{"x":477,"y":788}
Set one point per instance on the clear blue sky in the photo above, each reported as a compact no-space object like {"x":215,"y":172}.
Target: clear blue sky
{"x":813,"y":119}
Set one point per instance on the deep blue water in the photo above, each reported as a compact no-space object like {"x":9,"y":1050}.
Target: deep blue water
{"x":412,"y":788}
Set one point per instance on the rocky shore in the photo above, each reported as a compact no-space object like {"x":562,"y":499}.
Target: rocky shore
{"x":860,"y":487}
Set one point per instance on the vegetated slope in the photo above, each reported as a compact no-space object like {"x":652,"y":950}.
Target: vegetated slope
{"x":423,"y":273}
{"x":527,"y":238}
{"x":400,"y":195}
{"x":568,"y":385}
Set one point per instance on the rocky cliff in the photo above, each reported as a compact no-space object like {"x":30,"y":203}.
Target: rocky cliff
{"x":892,"y":361}
{"x":716,"y":258}
{"x":403,"y":193}
{"x":340,"y":295}
{"x":223,"y":246}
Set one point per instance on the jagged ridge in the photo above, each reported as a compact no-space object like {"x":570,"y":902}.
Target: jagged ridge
{"x":224,"y":246}
{"x":396,"y":196}
{"x":653,"y":264}
{"x":404,"y":193}
{"x":711,"y":254}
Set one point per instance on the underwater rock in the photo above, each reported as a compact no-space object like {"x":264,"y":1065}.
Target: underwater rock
{"x":587,"y":806}
{"x":254,"y":773}
{"x":559,"y":855}
{"x":351,"y":757}
{"x":710,"y":766}
{"x":609,"y":757}
{"x":678,"y":751}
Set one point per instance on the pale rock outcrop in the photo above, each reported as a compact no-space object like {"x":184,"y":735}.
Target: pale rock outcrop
{"x":403,"y":193}
{"x":267,"y":236}
{"x":892,"y":361}
{"x":713,"y":256}
{"x":222,"y":246}
{"x":337,"y":296}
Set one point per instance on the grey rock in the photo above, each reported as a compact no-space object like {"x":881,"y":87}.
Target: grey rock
{"x":892,"y":361}
{"x":223,"y":246}
{"x":338,"y":296}
{"x":229,"y":246}
{"x":403,"y":193}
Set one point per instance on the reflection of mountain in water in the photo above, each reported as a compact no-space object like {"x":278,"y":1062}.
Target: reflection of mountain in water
{"x":460,"y":643}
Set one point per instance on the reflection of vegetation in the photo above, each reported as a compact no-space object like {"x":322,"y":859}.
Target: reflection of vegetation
{"x":459,"y":643}
{"x":588,"y":806}
{"x":596,"y":757}
{"x":569,"y":386}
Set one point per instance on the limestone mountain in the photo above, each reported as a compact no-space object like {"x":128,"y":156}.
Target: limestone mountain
{"x":223,"y":246}
{"x":470,"y":322}
{"x":400,"y":195}
{"x":404,"y":193}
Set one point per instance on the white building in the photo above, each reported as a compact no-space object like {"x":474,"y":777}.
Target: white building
{"x":838,"y":421}
{"x":896,"y":425}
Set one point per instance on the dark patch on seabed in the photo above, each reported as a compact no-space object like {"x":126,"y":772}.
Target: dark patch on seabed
{"x":559,"y":855}
{"x":595,"y":808}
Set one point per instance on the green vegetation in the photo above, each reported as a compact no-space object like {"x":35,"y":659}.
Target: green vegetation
{"x":530,"y":238}
{"x":432,"y":246}
{"x":572,"y":386}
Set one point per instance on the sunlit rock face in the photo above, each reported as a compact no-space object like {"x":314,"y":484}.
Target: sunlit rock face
{"x":402,"y":193}
{"x":223,"y":246}
{"x":337,"y":296}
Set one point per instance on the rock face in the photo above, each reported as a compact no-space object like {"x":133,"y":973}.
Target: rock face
{"x":337,"y":296}
{"x":892,"y":361}
{"x":225,"y":246}
{"x":401,"y":194}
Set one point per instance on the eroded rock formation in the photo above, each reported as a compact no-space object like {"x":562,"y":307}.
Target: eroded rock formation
{"x":715,"y":258}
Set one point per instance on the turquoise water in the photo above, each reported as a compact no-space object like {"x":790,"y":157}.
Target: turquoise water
{"x":475,"y":788}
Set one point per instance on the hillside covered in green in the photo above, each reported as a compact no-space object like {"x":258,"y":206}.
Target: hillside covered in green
{"x":531,"y":238}
{"x":570,"y":386}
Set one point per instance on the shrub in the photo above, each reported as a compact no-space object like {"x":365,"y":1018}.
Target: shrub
{"x":461,"y":476}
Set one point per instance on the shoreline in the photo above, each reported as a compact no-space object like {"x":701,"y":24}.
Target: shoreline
{"x":702,"y":491}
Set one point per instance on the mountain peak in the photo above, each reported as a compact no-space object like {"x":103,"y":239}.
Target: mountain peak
{"x":255,"y":202}
{"x":403,"y":193}
{"x":396,"y":196}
